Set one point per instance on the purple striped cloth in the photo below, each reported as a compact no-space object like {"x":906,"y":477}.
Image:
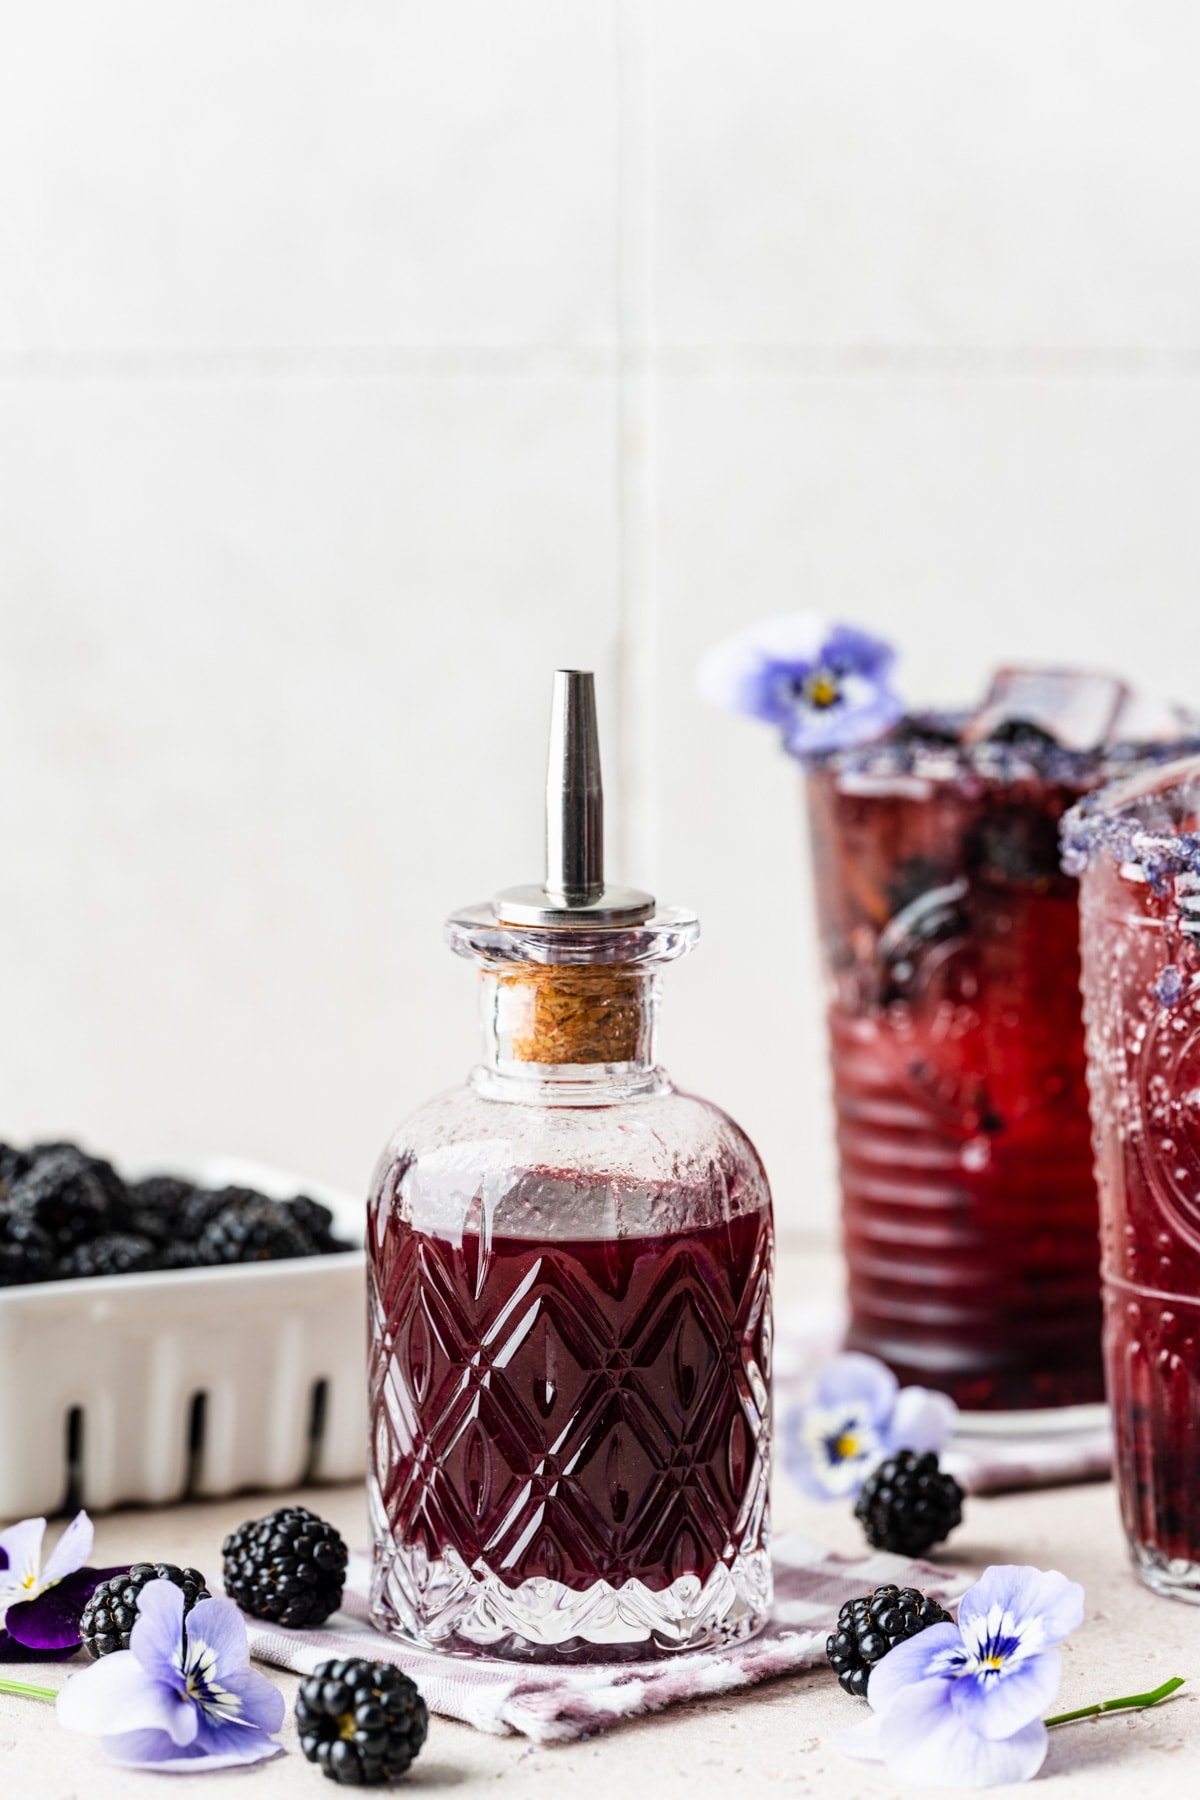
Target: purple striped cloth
{"x":550,"y":1704}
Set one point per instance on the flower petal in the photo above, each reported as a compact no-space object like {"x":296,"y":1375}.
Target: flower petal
{"x":157,"y":1636}
{"x":864,"y":1740}
{"x":116,"y":1694}
{"x":1043,"y":1605}
{"x":218,"y":1626}
{"x":925,"y":1741}
{"x":22,"y":1548}
{"x":922,"y":1419}
{"x":50,"y":1621}
{"x":846,"y":647}
{"x":12,"y":1650}
{"x":998,"y":1704}
{"x":854,"y":1377}
{"x":734,"y":673}
{"x":936,"y":1651}
{"x":263,"y":1705}
{"x":71,"y":1551}
{"x":155,"y":1750}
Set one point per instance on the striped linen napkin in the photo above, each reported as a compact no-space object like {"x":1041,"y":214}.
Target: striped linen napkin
{"x":554,"y":1703}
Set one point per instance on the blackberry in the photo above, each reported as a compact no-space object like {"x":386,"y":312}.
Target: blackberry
{"x":252,"y":1229}
{"x":112,"y":1183}
{"x":111,"y":1613}
{"x":201,"y":1205}
{"x":12,"y":1163}
{"x":314,"y":1220}
{"x":361,"y":1722}
{"x":26,"y":1251}
{"x":161,"y":1198}
{"x":908,"y":1504}
{"x":63,"y":1195}
{"x":868,"y":1628}
{"x":112,"y":1253}
{"x":177,"y":1256}
{"x":289,"y":1568}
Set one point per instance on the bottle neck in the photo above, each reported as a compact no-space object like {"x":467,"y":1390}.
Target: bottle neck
{"x":569,"y":1034}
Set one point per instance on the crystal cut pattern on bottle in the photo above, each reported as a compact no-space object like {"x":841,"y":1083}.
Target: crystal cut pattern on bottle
{"x":572,"y":1438}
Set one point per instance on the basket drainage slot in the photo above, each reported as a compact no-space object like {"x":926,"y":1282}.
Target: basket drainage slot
{"x":73,"y":1455}
{"x":317,"y":1413}
{"x":197,"y":1420}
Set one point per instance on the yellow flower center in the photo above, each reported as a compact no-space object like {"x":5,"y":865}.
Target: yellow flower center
{"x":845,"y":1446}
{"x":822,"y":689}
{"x":30,"y":1581}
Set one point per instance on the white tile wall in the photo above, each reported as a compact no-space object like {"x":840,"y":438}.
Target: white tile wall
{"x":362,"y":359}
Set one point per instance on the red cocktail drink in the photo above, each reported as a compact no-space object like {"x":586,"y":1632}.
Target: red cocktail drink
{"x":1138,"y":847}
{"x":951,"y":947}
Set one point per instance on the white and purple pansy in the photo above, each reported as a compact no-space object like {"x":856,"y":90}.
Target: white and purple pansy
{"x":825,"y":685}
{"x":963,"y":1705}
{"x":42,"y":1602}
{"x":183,"y":1698}
{"x":855,"y":1414}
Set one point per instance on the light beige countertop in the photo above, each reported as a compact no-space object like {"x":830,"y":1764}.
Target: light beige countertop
{"x":773,"y":1739}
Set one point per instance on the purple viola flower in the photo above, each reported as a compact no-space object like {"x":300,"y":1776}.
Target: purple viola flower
{"x":854,"y":1415}
{"x":962,"y":1705}
{"x":824,"y":685}
{"x":42,"y":1602}
{"x":183,"y":1697}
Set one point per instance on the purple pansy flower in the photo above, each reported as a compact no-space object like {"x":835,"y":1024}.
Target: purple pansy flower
{"x":825,"y":685}
{"x":855,"y":1414}
{"x":962,"y":1705}
{"x":183,"y":1697}
{"x":42,"y":1603}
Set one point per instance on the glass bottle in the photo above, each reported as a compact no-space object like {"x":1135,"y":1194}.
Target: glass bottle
{"x":570,"y":1296}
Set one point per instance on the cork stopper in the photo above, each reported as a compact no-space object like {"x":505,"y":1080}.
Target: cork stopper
{"x":573,"y":1013}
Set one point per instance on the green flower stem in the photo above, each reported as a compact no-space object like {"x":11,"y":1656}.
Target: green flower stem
{"x":30,"y":1693}
{"x":1130,"y":1700}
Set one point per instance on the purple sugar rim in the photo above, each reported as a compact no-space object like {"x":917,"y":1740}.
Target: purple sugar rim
{"x":924,"y":747}
{"x":1107,"y":823}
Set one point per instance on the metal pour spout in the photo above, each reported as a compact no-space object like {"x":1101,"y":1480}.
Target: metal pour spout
{"x":574,"y":793}
{"x":574,"y":891}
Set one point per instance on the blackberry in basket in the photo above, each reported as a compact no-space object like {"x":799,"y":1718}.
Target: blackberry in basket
{"x":249,"y":1228}
{"x":112,"y":1253}
{"x":289,"y":1568}
{"x":111,"y":1613}
{"x":315,"y":1221}
{"x":12,"y":1163}
{"x":158,"y":1203}
{"x":64,"y":1196}
{"x":361,"y":1722}
{"x":26,"y":1251}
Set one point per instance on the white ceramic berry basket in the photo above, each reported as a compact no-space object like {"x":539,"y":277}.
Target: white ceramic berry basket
{"x":192,"y":1384}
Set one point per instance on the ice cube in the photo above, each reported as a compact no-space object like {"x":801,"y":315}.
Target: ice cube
{"x":1142,"y":720}
{"x":1077,"y":709}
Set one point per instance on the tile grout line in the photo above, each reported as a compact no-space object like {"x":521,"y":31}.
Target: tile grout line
{"x":635,"y":355}
{"x":636,"y":843}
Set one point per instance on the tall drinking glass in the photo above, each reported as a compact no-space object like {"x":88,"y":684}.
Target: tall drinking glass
{"x":951,"y":945}
{"x":1137,"y":849}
